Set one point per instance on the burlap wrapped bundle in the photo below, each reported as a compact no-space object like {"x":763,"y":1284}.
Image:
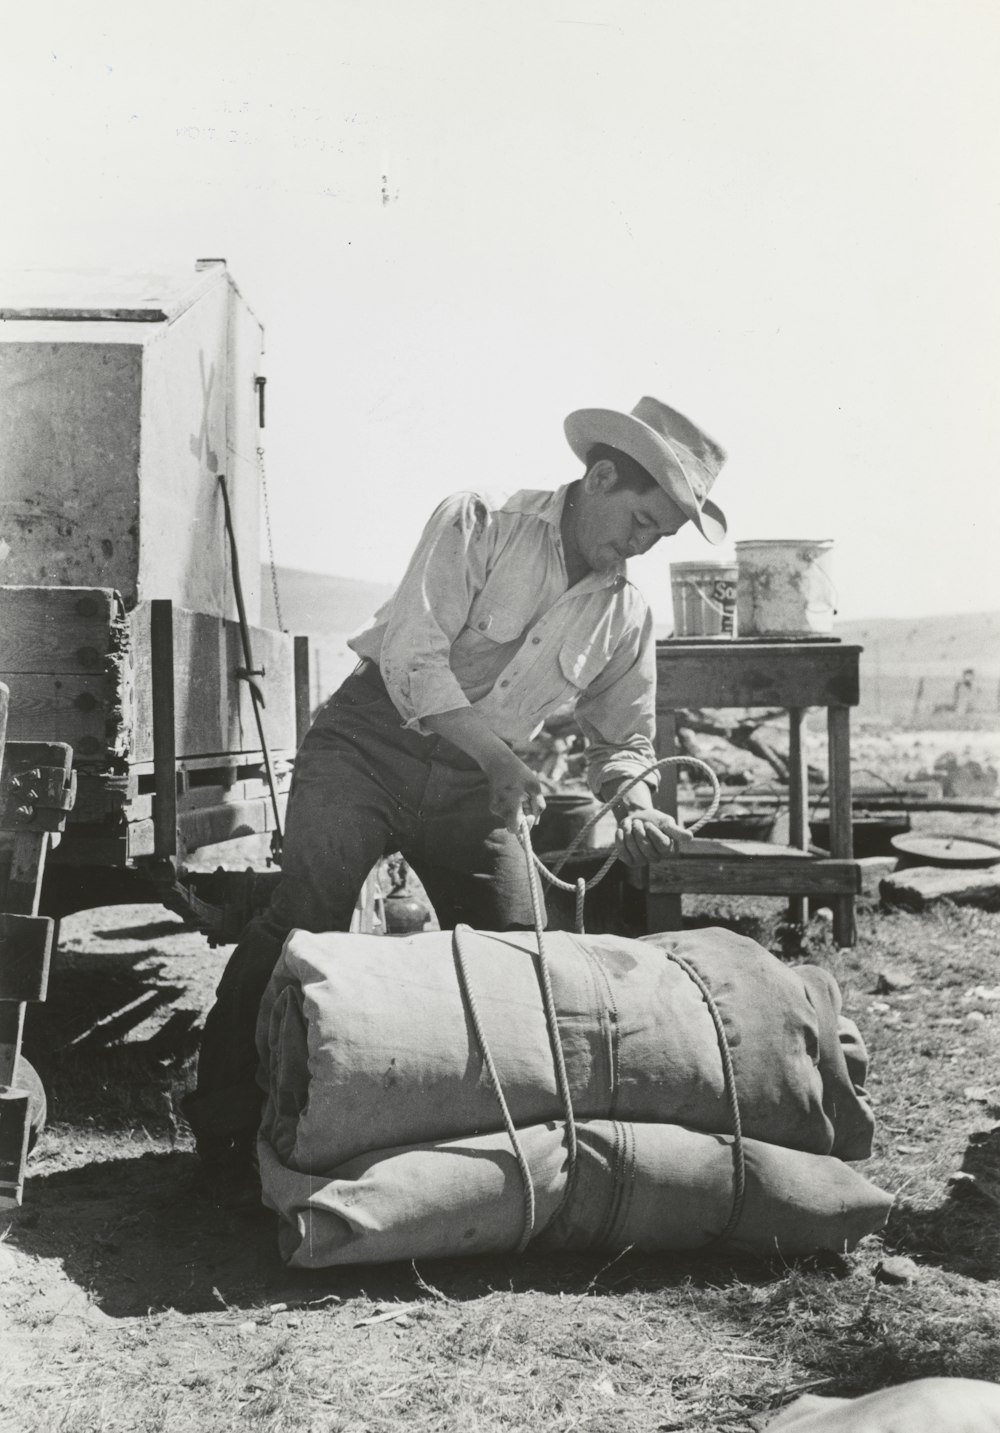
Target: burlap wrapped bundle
{"x":367,"y":1044}
{"x":383,"y":1137}
{"x":645,"y":1186}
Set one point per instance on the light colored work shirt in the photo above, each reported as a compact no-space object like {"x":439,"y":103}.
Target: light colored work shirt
{"x":484,"y":617}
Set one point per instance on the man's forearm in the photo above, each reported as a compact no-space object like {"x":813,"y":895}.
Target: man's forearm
{"x":515,"y":790}
{"x":637,"y":798}
{"x":471,"y":733}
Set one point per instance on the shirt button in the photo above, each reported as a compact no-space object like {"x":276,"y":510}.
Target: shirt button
{"x":505,"y":683}
{"x":535,"y":641}
{"x":482,"y":626}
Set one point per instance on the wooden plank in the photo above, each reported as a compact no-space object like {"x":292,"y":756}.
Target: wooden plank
{"x":664,"y":910}
{"x":734,"y":674}
{"x":93,"y":315}
{"x":204,"y":827}
{"x":87,"y":712}
{"x":798,"y":793}
{"x":11,"y":1031}
{"x":15,"y":1130}
{"x":841,"y":824}
{"x":24,"y":879}
{"x":920,"y":887}
{"x":213,"y":707}
{"x":242,"y":762}
{"x":198,"y":798}
{"x":59,"y":629}
{"x":303,"y":704}
{"x":164,"y":730}
{"x":780,"y":875}
{"x":224,"y":823}
{"x":25,"y":955}
{"x":274,"y":655}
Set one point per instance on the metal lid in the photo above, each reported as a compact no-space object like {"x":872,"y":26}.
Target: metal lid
{"x":941,"y":849}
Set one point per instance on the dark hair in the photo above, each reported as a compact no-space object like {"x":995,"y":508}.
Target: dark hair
{"x":631,"y":475}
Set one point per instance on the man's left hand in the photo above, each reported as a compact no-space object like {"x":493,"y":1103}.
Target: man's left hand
{"x":645,"y":836}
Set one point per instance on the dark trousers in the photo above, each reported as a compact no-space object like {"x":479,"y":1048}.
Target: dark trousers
{"x":363,"y":787}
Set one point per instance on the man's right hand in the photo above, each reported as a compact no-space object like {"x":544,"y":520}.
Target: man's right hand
{"x":514,"y":789}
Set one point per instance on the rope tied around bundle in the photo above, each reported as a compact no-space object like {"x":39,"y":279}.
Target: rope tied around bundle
{"x":535,"y":867}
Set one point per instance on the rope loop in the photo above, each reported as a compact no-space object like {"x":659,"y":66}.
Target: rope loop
{"x":580,"y":888}
{"x":553,"y":876}
{"x":527,"y":1183}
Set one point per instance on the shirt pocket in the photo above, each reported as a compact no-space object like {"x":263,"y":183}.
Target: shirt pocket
{"x":582,"y":664}
{"x":495,"y":623}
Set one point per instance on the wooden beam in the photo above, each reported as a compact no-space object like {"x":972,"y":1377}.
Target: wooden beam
{"x":757,"y":674}
{"x":164,"y":733}
{"x":779,"y":875}
{"x":62,"y":630}
{"x":25,"y":955}
{"x":303,"y":703}
{"x":798,"y":795}
{"x":86,"y":711}
{"x":213,"y":707}
{"x":664,"y":910}
{"x":838,"y":720}
{"x":15,"y":1131}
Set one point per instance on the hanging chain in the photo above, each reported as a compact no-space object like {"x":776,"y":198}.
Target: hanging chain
{"x":262,"y":471}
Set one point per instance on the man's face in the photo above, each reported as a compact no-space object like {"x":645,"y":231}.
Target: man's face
{"x":614,"y":523}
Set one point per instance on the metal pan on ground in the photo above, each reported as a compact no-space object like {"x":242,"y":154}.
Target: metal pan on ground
{"x":925,"y":848}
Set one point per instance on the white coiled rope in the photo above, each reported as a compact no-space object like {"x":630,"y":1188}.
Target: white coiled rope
{"x":581,"y":887}
{"x":551,"y":1017}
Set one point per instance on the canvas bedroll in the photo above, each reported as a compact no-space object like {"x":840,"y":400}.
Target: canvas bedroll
{"x":382,"y":1137}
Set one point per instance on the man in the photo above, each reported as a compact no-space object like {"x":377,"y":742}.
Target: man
{"x":506,"y":613}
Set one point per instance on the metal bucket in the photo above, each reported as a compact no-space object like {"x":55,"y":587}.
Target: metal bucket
{"x":704,"y":596}
{"x":784,"y":587}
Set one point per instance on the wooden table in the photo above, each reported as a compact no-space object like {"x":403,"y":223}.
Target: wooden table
{"x":751,"y":672}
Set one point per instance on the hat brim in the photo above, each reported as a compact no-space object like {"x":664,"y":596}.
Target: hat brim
{"x":630,"y":435}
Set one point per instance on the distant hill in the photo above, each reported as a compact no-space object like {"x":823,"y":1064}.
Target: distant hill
{"x":327,"y":608}
{"x":966,"y":637}
{"x":929,"y":671}
{"x":921,"y":671}
{"x":316,"y":602}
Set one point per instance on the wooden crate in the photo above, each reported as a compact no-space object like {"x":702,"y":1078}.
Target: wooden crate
{"x":83,"y":671}
{"x":36,"y":791}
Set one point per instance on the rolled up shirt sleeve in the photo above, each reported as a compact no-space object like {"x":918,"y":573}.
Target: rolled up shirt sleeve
{"x":431,"y":606}
{"x":617,"y":712}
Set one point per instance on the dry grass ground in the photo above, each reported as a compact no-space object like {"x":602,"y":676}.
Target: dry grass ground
{"x":130,"y":1302}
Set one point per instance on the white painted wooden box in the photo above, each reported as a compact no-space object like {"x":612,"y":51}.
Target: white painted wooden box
{"x":122,"y":398}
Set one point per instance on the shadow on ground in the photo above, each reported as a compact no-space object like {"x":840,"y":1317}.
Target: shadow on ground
{"x":144,"y":1234}
{"x":961,"y":1235}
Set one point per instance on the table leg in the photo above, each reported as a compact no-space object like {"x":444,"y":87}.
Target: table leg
{"x":841,"y":833}
{"x":665,"y":912}
{"x":798,"y":796}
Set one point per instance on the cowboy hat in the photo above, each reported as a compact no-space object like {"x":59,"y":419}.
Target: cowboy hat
{"x":683,"y":460}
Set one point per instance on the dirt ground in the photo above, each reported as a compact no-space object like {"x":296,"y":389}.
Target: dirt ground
{"x":131,"y":1300}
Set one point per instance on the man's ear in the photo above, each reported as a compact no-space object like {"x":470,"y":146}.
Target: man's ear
{"x":600,"y":478}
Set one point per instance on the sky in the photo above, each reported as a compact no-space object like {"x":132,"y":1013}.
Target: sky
{"x":458,"y":220}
